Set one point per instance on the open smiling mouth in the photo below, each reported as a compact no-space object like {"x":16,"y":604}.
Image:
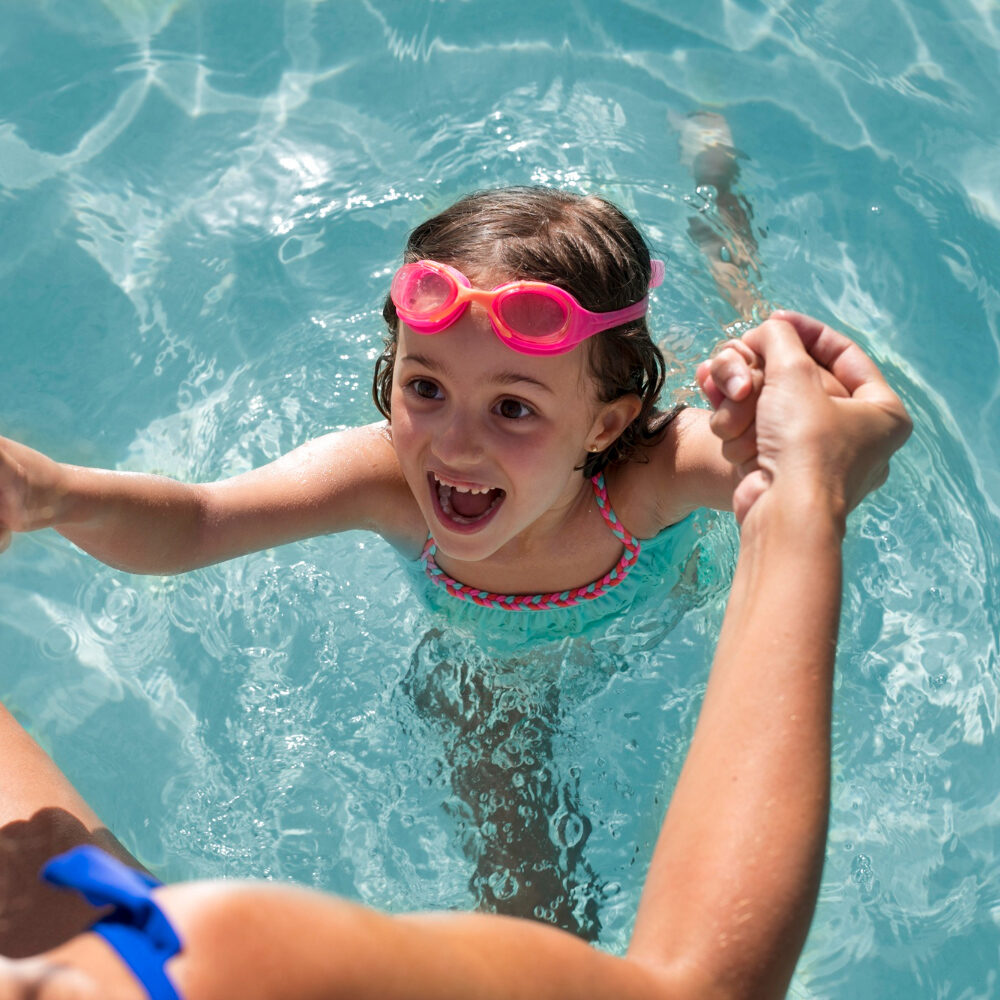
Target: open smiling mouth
{"x":464,"y":507}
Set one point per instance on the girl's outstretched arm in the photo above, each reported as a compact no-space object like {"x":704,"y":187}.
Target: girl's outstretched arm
{"x":152,"y":524}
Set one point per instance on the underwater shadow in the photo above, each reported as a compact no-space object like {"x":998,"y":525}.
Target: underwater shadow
{"x":517,"y":815}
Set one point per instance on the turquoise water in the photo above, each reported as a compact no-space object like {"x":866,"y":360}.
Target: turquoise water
{"x":201,"y":204}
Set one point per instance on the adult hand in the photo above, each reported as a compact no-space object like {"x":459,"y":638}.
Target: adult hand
{"x":825,"y":418}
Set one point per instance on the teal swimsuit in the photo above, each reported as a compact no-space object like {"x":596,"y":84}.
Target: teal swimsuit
{"x":513,"y":622}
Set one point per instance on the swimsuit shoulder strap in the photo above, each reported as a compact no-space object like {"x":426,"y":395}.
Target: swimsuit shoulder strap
{"x":608,"y":513}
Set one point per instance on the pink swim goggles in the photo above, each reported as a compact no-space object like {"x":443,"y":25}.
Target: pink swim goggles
{"x":532,"y":317}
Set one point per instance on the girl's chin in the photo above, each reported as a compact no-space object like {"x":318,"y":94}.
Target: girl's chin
{"x":462,"y":545}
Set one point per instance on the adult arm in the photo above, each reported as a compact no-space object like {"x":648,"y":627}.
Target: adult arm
{"x":735,"y":873}
{"x":153,"y":524}
{"x":41,"y":815}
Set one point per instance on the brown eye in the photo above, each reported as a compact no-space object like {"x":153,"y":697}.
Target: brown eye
{"x":424,"y":388}
{"x":513,"y":409}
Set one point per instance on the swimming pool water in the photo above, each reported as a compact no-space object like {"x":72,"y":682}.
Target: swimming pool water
{"x":202,"y":203}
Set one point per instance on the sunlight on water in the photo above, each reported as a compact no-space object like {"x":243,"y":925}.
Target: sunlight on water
{"x":203,"y":205}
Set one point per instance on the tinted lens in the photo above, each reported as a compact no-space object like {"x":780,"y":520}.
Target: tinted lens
{"x":533,"y":315}
{"x":423,"y":292}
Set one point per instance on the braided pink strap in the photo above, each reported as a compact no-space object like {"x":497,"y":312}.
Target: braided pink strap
{"x":545,"y":602}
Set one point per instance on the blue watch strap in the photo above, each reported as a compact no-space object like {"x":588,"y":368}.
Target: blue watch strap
{"x":136,"y":928}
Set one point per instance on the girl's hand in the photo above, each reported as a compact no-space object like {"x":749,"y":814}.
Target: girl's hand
{"x":731,"y":381}
{"x":825,"y":417}
{"x":29,"y":496}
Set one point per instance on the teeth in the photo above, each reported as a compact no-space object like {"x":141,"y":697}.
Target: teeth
{"x":445,"y":490}
{"x":464,"y":489}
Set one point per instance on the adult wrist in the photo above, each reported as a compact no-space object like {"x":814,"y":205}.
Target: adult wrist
{"x":802,"y":512}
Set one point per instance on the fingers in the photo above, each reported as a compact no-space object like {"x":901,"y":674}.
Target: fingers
{"x":849,"y":365}
{"x":732,"y":370}
{"x":839,"y":355}
{"x":724,"y":375}
{"x":832,"y":385}
{"x":731,"y":381}
{"x":741,"y":450}
{"x":748,"y":491}
{"x":5,"y":537}
{"x":794,"y":386}
{"x":780,"y":344}
{"x":703,"y":375}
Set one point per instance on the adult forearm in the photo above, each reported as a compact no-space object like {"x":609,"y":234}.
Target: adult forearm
{"x":735,"y":873}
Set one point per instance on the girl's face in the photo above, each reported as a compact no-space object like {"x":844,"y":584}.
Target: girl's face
{"x":490,"y":440}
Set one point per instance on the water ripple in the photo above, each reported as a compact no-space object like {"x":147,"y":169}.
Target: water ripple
{"x":223,"y":219}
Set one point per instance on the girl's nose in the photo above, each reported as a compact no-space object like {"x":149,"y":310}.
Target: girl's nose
{"x":460,"y":441}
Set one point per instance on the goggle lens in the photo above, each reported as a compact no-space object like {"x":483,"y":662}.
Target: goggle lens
{"x":424,"y":292}
{"x":533,"y":315}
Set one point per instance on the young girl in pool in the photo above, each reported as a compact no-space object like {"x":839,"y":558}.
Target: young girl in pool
{"x":523,"y":454}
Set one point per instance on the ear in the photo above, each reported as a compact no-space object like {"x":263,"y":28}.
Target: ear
{"x":611,"y":420}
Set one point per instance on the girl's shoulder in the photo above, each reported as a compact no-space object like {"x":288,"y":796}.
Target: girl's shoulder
{"x":365,"y":472}
{"x":670,"y":479}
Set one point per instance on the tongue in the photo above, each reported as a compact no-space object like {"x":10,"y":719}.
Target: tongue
{"x":471,"y":504}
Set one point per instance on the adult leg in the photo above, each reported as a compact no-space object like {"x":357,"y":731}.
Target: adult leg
{"x":41,"y":815}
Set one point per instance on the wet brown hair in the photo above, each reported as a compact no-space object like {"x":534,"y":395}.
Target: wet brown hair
{"x":584,"y":245}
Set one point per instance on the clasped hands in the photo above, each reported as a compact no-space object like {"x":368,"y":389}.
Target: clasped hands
{"x":800,"y":406}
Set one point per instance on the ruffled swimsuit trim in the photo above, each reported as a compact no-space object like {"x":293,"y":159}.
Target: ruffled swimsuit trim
{"x":545,"y":602}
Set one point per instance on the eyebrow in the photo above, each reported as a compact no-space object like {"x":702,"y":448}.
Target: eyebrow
{"x":500,"y":378}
